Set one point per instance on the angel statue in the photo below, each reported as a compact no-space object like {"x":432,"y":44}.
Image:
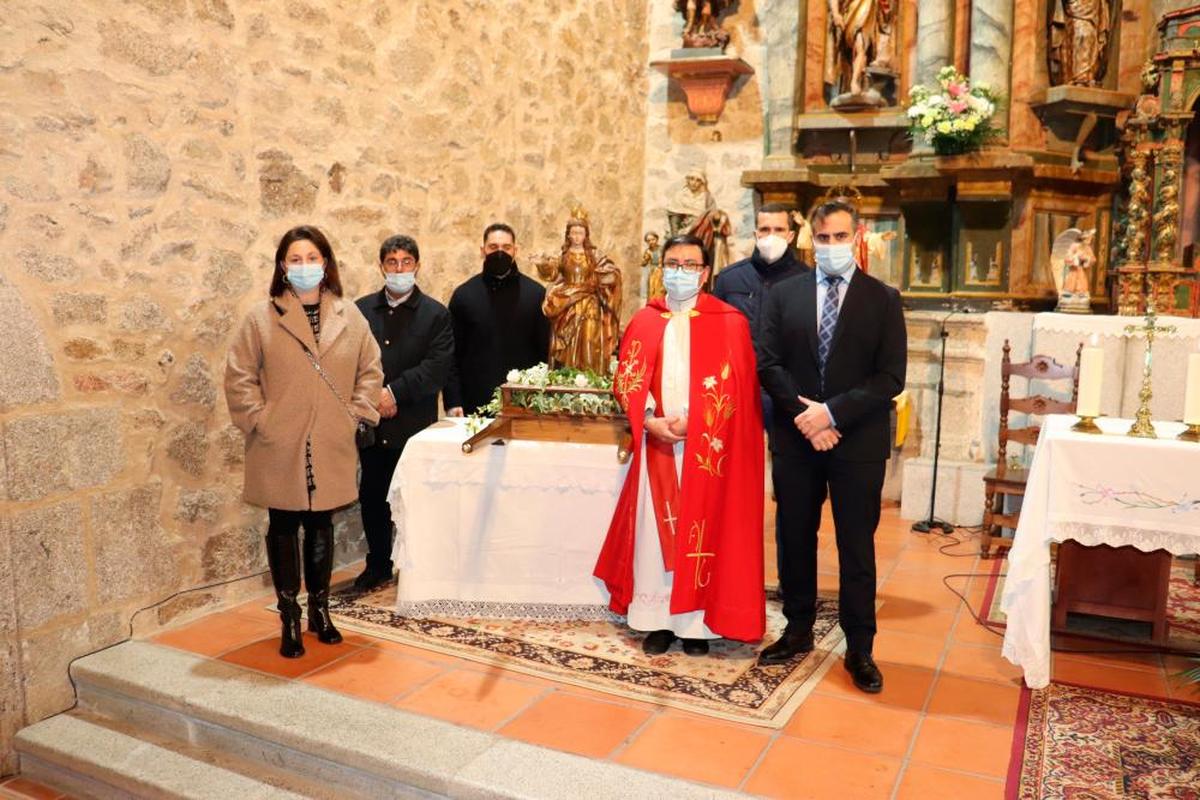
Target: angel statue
{"x":583,"y":300}
{"x":1071,"y":261}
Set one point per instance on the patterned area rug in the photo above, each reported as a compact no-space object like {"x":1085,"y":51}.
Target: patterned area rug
{"x":1183,"y":611}
{"x":1075,"y":743}
{"x":604,"y":655}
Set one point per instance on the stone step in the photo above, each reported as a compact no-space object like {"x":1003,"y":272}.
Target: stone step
{"x":88,"y":759}
{"x":320,"y":743}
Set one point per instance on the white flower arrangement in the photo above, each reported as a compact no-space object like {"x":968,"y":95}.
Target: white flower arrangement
{"x":542,"y":398}
{"x":953,"y":115}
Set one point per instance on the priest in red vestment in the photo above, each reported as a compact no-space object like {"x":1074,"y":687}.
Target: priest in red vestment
{"x":684,"y":553}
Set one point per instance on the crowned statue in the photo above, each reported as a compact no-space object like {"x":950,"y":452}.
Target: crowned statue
{"x":583,"y":300}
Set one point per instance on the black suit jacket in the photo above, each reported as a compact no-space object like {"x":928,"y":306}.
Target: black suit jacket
{"x":416,"y":343}
{"x":865,"y":370}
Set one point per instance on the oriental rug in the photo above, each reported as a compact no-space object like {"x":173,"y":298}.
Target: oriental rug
{"x":603,"y":655}
{"x":1183,"y":610}
{"x":1076,"y":743}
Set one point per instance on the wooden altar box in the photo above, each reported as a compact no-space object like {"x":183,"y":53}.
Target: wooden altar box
{"x":1121,"y":582}
{"x":518,"y":422}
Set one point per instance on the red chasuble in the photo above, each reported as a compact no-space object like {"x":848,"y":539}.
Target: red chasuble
{"x":714,"y":532}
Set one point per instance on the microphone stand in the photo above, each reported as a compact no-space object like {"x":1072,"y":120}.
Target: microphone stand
{"x":932,"y":523}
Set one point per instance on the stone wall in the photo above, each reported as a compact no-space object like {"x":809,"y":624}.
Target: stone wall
{"x":152,"y":153}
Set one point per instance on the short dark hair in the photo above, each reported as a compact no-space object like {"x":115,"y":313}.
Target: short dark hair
{"x":685,"y":239}
{"x":332,"y":281}
{"x":776,"y":208}
{"x":830,"y":207}
{"x":499,"y":226}
{"x":399,"y":242}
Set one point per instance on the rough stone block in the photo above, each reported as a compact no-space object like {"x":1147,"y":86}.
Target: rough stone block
{"x":227,"y":274}
{"x":196,"y":385}
{"x":48,"y":266}
{"x":147,"y":168}
{"x":79,"y":308}
{"x":202,"y":505}
{"x":54,"y":453}
{"x":284,"y":190}
{"x":46,"y":654}
{"x":12,"y":705}
{"x":81,"y":349}
{"x":232,"y":552}
{"x":142,"y":314}
{"x":188,"y":447}
{"x":232,"y":444}
{"x":27,"y":372}
{"x":134,"y":556}
{"x":127,"y":43}
{"x":49,"y":563}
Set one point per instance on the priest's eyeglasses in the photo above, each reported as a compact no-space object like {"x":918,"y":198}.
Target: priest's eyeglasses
{"x":686,"y":266}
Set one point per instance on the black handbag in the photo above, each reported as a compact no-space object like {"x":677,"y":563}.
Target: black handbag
{"x":364,"y":433}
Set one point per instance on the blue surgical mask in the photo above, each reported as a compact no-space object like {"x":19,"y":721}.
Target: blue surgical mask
{"x":400,"y":283}
{"x":834,"y":259}
{"x":304,"y":277}
{"x":681,"y":285}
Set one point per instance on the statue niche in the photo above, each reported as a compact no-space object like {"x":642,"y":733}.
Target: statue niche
{"x":860,"y":54}
{"x":583,"y":300}
{"x":1079,"y":32}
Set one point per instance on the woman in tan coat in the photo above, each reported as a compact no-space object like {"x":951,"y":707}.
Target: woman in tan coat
{"x":300,"y":419}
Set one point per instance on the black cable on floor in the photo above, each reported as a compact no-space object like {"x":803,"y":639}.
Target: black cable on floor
{"x":129,"y":638}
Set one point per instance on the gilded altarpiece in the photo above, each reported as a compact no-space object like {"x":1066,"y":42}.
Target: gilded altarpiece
{"x":976,"y":228}
{"x":1156,"y":241}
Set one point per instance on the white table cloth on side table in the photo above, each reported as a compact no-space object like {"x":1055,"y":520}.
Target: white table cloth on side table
{"x":510,"y":531}
{"x":1111,"y":489}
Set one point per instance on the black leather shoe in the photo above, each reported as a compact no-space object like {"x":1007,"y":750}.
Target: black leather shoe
{"x":863,"y":672}
{"x":786,"y":648}
{"x":658,"y":643}
{"x":370,"y":580}
{"x":695,"y":647}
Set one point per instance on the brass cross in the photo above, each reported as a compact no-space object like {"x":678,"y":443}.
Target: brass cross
{"x":1142,"y":426}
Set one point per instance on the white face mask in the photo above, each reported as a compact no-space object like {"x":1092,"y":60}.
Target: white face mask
{"x":834,"y":259}
{"x":680,"y":284}
{"x":304,"y":277}
{"x":400,"y":283}
{"x":772,"y":247}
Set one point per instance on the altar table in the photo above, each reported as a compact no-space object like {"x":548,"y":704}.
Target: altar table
{"x":1094,"y":489}
{"x":511,"y":530}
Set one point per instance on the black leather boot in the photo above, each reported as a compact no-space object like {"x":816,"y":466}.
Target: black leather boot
{"x":283,"y":554}
{"x":318,"y":567}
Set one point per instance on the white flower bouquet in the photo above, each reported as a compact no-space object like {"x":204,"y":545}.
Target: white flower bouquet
{"x":541,"y":390}
{"x":953,"y":115}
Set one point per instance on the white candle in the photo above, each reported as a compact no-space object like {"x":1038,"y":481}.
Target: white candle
{"x":1191,"y":402}
{"x":1091,"y":378}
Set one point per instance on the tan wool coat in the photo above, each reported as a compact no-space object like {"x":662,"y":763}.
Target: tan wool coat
{"x":278,"y":399}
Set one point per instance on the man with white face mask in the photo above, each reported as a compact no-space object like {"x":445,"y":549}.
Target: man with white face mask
{"x":683,"y":558}
{"x":416,"y":342}
{"x":744,"y":284}
{"x":832,"y":355}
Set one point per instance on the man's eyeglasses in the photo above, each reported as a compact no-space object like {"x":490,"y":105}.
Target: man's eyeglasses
{"x":403,"y":263}
{"x":686,"y":266}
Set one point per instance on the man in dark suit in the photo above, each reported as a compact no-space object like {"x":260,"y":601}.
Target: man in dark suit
{"x":498,"y":324}
{"x":832,"y":355}
{"x":416,"y":342}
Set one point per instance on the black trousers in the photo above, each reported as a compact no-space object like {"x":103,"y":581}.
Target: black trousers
{"x":802,"y":482}
{"x":378,"y":464}
{"x":287,"y":523}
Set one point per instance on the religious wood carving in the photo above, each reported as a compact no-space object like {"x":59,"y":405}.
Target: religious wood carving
{"x":693,"y":210}
{"x":860,"y":53}
{"x":702,"y":22}
{"x":1166,"y":219}
{"x":1080,"y":32}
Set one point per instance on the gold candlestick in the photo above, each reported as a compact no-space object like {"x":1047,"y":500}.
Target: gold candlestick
{"x":1142,"y":426}
{"x":1192,"y":434}
{"x":1086,"y":425}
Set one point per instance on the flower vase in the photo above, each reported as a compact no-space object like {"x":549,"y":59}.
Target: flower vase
{"x":952,"y":146}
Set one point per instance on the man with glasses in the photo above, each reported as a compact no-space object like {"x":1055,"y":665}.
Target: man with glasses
{"x":416,"y":342}
{"x":498,"y":324}
{"x":684,"y":553}
{"x":832,"y":355}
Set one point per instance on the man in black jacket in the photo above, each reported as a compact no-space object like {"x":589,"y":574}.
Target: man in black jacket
{"x":745,"y":284}
{"x":416,"y":343}
{"x":832,"y":355}
{"x":498,"y":324}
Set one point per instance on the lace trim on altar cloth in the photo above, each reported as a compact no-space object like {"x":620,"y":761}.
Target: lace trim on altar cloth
{"x":1145,"y":540}
{"x":488,"y":609}
{"x":1105,"y":326}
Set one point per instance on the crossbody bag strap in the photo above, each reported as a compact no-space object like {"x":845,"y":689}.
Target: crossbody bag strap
{"x":325,"y":377}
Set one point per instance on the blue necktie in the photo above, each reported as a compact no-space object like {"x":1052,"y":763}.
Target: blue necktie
{"x":829,"y":315}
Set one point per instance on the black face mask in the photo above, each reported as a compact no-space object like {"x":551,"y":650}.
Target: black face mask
{"x":498,"y":264}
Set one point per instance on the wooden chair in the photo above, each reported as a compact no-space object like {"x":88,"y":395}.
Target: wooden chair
{"x":1003,"y":481}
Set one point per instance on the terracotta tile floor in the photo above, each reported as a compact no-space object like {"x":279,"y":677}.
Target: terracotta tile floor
{"x":942,"y":727}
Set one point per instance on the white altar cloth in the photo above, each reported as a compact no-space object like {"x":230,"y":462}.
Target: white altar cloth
{"x":510,"y":530}
{"x":1111,"y":489}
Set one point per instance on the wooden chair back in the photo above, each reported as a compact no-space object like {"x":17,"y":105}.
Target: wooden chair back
{"x":1042,"y":368}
